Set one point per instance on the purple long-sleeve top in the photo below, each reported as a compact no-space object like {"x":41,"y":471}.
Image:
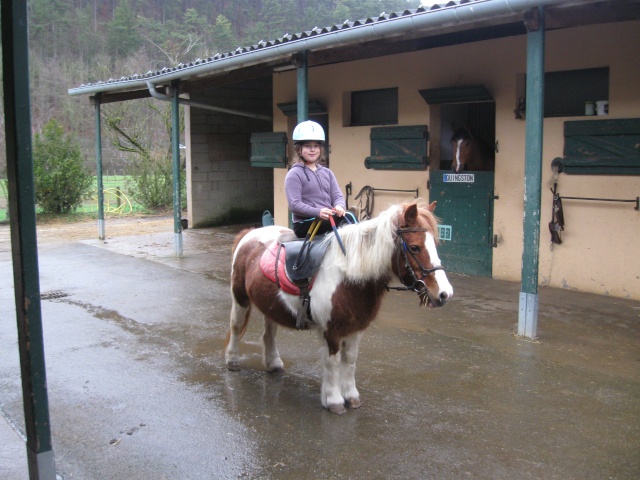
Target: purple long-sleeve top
{"x":308,"y":192}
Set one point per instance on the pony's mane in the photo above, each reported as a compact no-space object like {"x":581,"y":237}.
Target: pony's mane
{"x":370,"y":244}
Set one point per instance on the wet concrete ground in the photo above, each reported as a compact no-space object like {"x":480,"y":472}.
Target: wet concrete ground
{"x":138,"y":388}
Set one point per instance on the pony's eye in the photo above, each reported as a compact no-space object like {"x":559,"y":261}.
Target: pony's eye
{"x":414,"y":248}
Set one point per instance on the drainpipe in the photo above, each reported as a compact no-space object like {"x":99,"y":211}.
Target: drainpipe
{"x":24,"y":248}
{"x":528,"y":310}
{"x":101,"y":233}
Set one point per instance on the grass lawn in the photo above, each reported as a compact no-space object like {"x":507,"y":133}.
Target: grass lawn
{"x":116,"y":201}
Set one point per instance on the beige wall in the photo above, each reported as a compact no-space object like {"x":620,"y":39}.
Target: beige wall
{"x":600,"y":250}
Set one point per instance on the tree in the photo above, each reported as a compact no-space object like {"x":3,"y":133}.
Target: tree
{"x":223,"y":38}
{"x":62,"y":181}
{"x":123,"y":38}
{"x":150,"y":163}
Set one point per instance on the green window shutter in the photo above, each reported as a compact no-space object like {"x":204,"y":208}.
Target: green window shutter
{"x":398,"y":148}
{"x":465,"y":94}
{"x":269,"y":149}
{"x":291,"y":108}
{"x":601,"y":147}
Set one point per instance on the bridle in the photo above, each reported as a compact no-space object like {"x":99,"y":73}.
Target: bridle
{"x":417,"y":285}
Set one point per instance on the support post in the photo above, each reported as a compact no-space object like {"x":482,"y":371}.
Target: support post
{"x":301,"y":62}
{"x":528,"y":311}
{"x":101,"y":232}
{"x":24,"y":249}
{"x":175,"y":150}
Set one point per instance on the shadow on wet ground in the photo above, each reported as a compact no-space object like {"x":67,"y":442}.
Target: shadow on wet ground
{"x":138,"y":386}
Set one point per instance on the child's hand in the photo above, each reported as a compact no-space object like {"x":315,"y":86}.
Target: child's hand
{"x":339,"y":211}
{"x":325,"y":213}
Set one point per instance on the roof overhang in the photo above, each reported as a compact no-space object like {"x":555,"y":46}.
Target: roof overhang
{"x":454,"y":23}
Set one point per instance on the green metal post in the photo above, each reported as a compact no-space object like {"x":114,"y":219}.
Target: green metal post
{"x":15,"y":65}
{"x":175,"y":150}
{"x":303,"y":86}
{"x":101,"y":233}
{"x":528,"y":309}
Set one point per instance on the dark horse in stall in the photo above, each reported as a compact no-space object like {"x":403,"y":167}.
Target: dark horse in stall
{"x":469,"y":153}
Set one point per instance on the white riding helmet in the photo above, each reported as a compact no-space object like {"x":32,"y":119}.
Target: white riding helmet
{"x":308,"y":131}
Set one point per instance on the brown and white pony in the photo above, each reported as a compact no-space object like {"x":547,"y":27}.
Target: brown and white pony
{"x":346,"y":293}
{"x":469,"y":153}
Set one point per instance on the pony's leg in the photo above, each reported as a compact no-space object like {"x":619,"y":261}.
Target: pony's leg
{"x":330,"y":391}
{"x":237,"y":326}
{"x":349,"y":354}
{"x":272,"y":361}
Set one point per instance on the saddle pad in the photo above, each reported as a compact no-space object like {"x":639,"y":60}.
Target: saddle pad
{"x":268,"y":267}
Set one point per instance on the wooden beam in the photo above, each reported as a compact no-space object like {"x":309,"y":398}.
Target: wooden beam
{"x":107,"y":97}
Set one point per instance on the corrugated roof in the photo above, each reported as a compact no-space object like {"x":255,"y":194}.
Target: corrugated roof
{"x":273,"y":49}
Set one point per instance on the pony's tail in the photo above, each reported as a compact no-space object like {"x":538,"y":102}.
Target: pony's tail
{"x":235,"y":304}
{"x":243,"y":330}
{"x":239,"y":237}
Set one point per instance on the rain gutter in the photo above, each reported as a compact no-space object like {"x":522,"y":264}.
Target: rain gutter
{"x":458,"y":14}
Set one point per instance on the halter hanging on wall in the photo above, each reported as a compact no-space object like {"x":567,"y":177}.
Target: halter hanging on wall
{"x":366,"y":196}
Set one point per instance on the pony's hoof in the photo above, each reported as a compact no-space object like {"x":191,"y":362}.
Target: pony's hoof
{"x":354,"y":403}
{"x":338,"y":409}
{"x":275,"y":366}
{"x":233,"y":366}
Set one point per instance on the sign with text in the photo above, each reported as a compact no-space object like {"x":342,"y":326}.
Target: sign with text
{"x":458,"y":178}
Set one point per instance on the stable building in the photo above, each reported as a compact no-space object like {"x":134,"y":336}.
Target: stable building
{"x":549,"y":86}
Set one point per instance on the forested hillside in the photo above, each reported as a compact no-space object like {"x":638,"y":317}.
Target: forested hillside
{"x":78,"y":41}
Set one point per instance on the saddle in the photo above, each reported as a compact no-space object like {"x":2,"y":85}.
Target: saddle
{"x":292,"y":265}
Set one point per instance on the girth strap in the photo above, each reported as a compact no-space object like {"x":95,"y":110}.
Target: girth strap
{"x":303,"y":259}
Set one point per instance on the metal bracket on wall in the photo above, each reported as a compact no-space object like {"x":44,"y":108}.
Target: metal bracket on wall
{"x":636,"y":200}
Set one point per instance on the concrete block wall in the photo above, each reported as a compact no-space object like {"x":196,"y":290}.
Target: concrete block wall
{"x":222,"y":186}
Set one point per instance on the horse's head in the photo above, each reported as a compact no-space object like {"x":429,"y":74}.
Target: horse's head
{"x":416,"y":261}
{"x":461,"y":141}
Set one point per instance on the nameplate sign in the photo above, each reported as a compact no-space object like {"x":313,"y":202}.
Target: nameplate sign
{"x":458,"y":178}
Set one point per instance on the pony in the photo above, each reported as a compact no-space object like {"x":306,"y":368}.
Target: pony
{"x":346,"y":293}
{"x":469,"y":153}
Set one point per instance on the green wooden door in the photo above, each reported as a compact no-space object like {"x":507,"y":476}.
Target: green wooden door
{"x":465,"y":209}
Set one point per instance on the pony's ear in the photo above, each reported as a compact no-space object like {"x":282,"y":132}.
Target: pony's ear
{"x":411,"y":214}
{"x":432,"y":206}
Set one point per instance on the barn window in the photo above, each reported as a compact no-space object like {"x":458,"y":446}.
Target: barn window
{"x":374,"y":107}
{"x":571,"y":93}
